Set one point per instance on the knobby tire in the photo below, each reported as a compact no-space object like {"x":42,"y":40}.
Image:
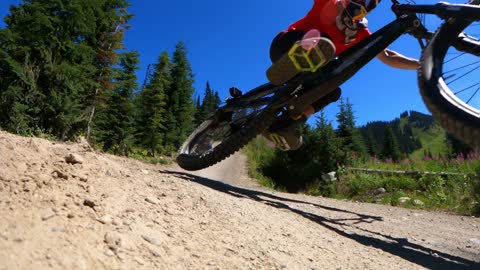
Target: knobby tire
{"x":229,"y":146}
{"x":455,"y":118}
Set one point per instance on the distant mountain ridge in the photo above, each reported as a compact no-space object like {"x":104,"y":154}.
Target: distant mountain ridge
{"x":412,"y":130}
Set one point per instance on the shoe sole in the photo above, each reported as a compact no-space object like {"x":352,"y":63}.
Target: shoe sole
{"x":295,"y":61}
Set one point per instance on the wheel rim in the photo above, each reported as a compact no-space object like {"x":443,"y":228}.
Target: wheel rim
{"x":210,"y":134}
{"x":460,"y":80}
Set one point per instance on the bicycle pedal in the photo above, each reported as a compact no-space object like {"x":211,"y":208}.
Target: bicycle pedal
{"x":307,"y":60}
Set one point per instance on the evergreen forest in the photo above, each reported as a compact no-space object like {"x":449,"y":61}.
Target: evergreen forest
{"x":65,"y":72}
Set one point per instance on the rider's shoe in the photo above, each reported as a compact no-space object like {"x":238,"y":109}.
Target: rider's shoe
{"x":286,"y":134}
{"x":299,"y":60}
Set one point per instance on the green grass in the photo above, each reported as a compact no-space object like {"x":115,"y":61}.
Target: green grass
{"x":454,"y":193}
{"x":142,"y":155}
{"x":458,"y":193}
{"x":258,"y":152}
{"x":454,"y":165}
{"x":433,"y":140}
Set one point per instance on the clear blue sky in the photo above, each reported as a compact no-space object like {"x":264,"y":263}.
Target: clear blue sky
{"x":228,"y":44}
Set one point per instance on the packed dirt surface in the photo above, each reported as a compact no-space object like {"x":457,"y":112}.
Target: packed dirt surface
{"x":65,"y":206}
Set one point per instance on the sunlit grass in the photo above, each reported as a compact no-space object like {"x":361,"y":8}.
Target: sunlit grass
{"x":440,"y":182}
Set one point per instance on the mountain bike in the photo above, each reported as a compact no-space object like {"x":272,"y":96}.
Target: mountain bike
{"x":448,"y":58}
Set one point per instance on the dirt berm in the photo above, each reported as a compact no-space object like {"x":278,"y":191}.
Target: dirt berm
{"x":65,"y":206}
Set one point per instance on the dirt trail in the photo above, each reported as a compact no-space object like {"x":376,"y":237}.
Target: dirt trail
{"x":231,"y":171}
{"x":64,"y":206}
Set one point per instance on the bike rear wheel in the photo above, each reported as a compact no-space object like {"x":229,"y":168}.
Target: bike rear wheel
{"x":449,"y":81}
{"x":222,"y":135}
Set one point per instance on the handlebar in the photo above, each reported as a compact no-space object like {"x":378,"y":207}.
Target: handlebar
{"x":416,"y":27}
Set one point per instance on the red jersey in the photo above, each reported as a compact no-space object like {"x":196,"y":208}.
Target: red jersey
{"x":324,"y":17}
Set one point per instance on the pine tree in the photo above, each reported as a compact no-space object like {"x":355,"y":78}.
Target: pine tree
{"x":371,"y":144}
{"x":390,"y":145}
{"x":110,"y":22}
{"x":180,"y":108}
{"x":198,"y":111}
{"x":210,"y":103}
{"x":45,"y":69}
{"x":326,"y":146}
{"x":116,"y":123}
{"x":152,"y":116}
{"x":52,"y":58}
{"x":351,"y":143}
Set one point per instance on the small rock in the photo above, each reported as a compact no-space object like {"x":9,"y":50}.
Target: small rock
{"x":329,"y":177}
{"x":48,"y":215}
{"x":29,"y":186}
{"x":151,"y":240}
{"x":59,"y":174}
{"x":89,"y":203}
{"x":139,"y":261}
{"x":58,"y":229}
{"x":74,"y":159}
{"x":474,"y":243}
{"x":154,"y":252}
{"x":144,"y":171}
{"x":403,"y":199}
{"x":82,"y":178}
{"x":107,"y":219}
{"x":70,"y":215}
{"x":418,"y":203}
{"x":113,"y":240}
{"x":380,"y":191}
{"x":152,"y":200}
{"x":109,"y":253}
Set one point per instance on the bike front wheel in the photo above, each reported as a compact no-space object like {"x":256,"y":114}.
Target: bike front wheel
{"x":222,"y":135}
{"x":449,"y":79}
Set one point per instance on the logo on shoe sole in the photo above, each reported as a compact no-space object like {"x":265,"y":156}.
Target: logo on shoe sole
{"x":279,"y":141}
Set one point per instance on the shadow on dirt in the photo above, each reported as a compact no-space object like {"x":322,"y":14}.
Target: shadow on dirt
{"x":401,"y":247}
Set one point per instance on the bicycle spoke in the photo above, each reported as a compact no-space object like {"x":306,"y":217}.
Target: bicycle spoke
{"x":474,"y":94}
{"x":458,"y":78}
{"x":461,"y":70}
{"x":465,"y":89}
{"x":456,"y":57}
{"x":465,"y":66}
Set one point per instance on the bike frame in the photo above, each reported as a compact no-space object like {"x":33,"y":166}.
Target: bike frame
{"x":302,"y":91}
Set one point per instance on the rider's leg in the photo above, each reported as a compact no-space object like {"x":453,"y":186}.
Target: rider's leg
{"x":283,"y":42}
{"x":289,"y":59}
{"x":286,"y":133}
